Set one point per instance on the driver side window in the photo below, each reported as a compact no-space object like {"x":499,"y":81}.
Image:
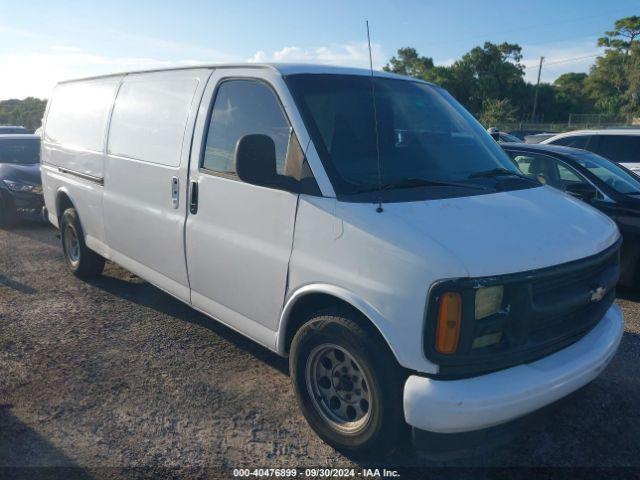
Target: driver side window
{"x":248,"y":107}
{"x":244,"y":107}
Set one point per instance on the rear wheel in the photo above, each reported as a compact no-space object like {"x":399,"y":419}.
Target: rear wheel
{"x":348,"y":384}
{"x":82,"y":261}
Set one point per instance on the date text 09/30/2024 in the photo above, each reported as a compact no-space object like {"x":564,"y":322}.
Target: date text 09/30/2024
{"x":315,"y":472}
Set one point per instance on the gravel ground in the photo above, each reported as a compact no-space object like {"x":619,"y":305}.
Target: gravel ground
{"x":115,"y":374}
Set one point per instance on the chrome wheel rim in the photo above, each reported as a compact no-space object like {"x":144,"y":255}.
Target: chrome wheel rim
{"x":71,"y":244}
{"x":339,"y":388}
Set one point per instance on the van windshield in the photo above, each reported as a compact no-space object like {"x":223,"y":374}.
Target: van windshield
{"x":424,"y":133}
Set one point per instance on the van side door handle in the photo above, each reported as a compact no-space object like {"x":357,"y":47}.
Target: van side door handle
{"x":175,"y":192}
{"x":193,"y":198}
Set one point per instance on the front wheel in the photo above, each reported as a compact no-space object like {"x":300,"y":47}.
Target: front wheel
{"x":81,"y":260}
{"x":348,"y":384}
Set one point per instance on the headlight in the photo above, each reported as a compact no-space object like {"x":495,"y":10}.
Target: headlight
{"x":488,"y":301}
{"x":22,"y":186}
{"x":466,"y":320}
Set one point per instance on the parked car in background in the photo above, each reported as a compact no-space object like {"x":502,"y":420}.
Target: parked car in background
{"x":604,"y":184}
{"x":502,"y":137}
{"x":622,"y":145}
{"x":253,"y":194}
{"x":538,"y":137}
{"x":12,"y":129}
{"x":20,"y":183}
{"x":522,"y":134}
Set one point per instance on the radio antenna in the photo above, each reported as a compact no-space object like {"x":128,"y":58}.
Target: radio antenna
{"x":375,"y":121}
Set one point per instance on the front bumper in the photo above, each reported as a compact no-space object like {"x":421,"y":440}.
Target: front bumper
{"x":452,"y":406}
{"x":27,"y":201}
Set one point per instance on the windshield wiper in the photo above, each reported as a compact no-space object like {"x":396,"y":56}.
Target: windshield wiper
{"x":497,"y":172}
{"x":425,"y":182}
{"x":417,"y":182}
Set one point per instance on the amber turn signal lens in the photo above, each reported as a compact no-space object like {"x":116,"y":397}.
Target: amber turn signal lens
{"x":449,"y":320}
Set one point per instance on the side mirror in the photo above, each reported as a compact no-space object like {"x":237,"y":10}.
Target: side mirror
{"x":583,"y":191}
{"x":256,"y":160}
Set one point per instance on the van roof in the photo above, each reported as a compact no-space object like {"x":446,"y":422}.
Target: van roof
{"x":282,"y":68}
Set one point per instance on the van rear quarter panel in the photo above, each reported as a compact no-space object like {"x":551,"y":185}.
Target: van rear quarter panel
{"x":74,"y":134}
{"x":86,"y":198}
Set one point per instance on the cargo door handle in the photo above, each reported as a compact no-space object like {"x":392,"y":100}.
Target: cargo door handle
{"x":175,"y":192}
{"x":193,"y":202}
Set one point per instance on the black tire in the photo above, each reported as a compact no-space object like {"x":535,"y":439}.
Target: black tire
{"x":82,"y":261}
{"x":384,"y":428}
{"x":8,"y":214}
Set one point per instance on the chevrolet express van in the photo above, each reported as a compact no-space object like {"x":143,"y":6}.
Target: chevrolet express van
{"x":395,"y":254}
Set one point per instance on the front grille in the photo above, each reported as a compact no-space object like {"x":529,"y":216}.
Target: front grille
{"x":563,"y":303}
{"x":576,"y":276}
{"x":544,"y":310}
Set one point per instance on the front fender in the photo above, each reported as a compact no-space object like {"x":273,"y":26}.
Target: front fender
{"x":340,"y":293}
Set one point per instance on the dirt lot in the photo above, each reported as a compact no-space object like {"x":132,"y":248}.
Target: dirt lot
{"x":115,"y":373}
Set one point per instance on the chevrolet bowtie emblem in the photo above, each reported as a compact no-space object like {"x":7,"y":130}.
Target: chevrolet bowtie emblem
{"x":597,"y":294}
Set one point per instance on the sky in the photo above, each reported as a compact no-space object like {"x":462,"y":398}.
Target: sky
{"x":43,"y":42}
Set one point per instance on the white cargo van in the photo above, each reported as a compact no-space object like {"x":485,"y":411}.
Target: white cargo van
{"x":395,"y":254}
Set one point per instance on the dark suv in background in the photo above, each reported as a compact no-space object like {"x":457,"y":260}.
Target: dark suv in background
{"x":13,"y":129}
{"x":20,"y":183}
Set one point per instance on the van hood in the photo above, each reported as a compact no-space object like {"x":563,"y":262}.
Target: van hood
{"x":509,"y":232}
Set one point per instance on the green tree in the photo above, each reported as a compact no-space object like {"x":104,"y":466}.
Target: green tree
{"x":624,"y":35}
{"x":614,"y":81}
{"x":497,"y":112}
{"x":608,"y":82}
{"x":409,"y":63}
{"x":27,"y":112}
{"x":571,"y":84}
{"x":570,"y":93}
{"x":489,"y":72}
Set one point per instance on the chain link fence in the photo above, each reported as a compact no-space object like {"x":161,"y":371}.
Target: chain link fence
{"x":577,"y":121}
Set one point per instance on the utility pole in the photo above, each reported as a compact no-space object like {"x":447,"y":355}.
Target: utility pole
{"x":535,"y":97}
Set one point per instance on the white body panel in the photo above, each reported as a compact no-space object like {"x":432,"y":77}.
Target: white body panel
{"x":250,"y":253}
{"x":73,"y":143}
{"x":77,"y":121}
{"x":142,"y":224}
{"x":601,"y":131}
{"x":242,"y":233}
{"x":389,"y":261}
{"x":634,"y":166}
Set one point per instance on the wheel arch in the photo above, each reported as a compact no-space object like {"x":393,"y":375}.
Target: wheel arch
{"x":315,"y":297}
{"x":63,"y":201}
